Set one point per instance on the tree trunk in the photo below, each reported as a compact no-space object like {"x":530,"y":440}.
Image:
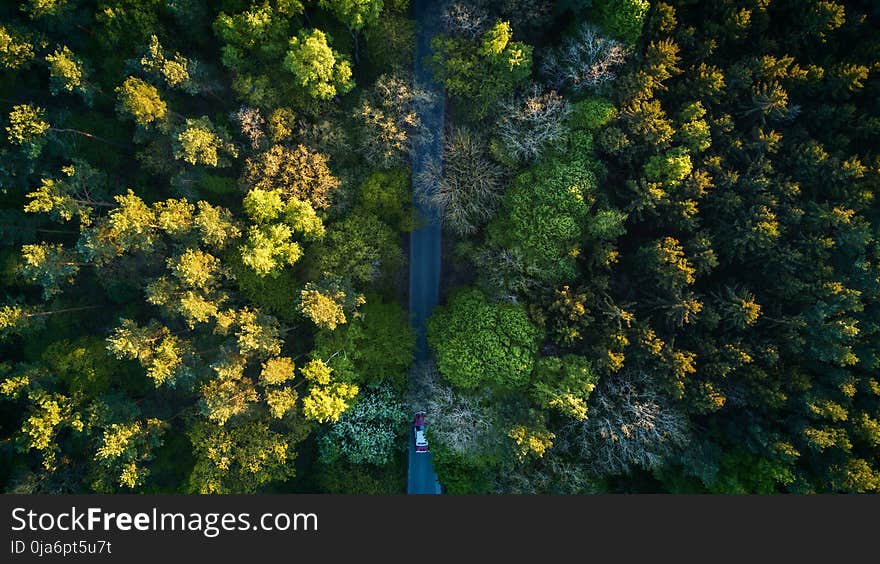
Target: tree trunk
{"x":90,"y":136}
{"x":67,"y":310}
{"x":357,"y":55}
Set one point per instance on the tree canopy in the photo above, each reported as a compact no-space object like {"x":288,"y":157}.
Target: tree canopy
{"x":660,"y":255}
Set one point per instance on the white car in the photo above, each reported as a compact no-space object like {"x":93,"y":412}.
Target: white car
{"x":419,"y":430}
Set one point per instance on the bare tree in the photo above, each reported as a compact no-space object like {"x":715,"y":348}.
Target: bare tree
{"x":325,"y":135}
{"x":471,"y":17}
{"x":465,"y":187}
{"x":251,"y":122}
{"x":465,"y":18}
{"x":505,"y":274}
{"x":550,"y":474}
{"x":629,"y":426}
{"x":421,"y":380}
{"x":585,"y":60}
{"x":531,"y":123}
{"x":526,"y":16}
{"x":461,"y":422}
{"x":389,"y":119}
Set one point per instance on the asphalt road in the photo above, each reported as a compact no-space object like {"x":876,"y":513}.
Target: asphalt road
{"x":421,"y":478}
{"x":424,"y":257}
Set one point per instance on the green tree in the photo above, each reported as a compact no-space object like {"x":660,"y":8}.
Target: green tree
{"x":376,"y":346}
{"x":671,"y":168}
{"x":325,"y":309}
{"x":18,"y":319}
{"x":694,"y":131}
{"x":50,"y":266}
{"x":68,"y":73}
{"x":154,"y":346}
{"x":27,"y":127}
{"x":216,"y":225}
{"x":359,"y":247}
{"x":530,"y":442}
{"x":263,"y":206}
{"x":327,"y":400}
{"x":303,"y":219}
{"x":592,"y":113}
{"x":667,"y":258}
{"x":200,"y":142}
{"x":123,"y":24}
{"x":481,"y":71}
{"x":15,"y":50}
{"x":647,"y":120}
{"x":125,"y":448}
{"x":49,"y":414}
{"x":240,"y":458}
{"x":544,"y":214}
{"x":390,"y":39}
{"x":386,"y":194}
{"x":129,"y":227}
{"x":320,"y":71}
{"x":270,"y":248}
{"x":193,"y":291}
{"x":176,"y":71}
{"x":622,"y":18}
{"x":261,"y":32}
{"x":228,"y":393}
{"x":257,"y":334}
{"x":142,"y":101}
{"x":355,"y":14}
{"x":564,"y":384}
{"x":368,"y":432}
{"x":480,"y":343}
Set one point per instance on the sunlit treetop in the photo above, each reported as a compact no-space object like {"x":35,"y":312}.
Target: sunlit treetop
{"x":15,"y":51}
{"x":26,"y":123}
{"x":142,"y":101}
{"x":319,"y":70}
{"x":200,"y":142}
{"x":65,"y":69}
{"x":40,"y":8}
{"x":355,"y":14}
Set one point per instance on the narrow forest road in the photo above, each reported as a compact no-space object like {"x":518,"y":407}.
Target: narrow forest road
{"x":424,"y":254}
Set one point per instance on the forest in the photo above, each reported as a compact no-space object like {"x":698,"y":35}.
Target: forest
{"x":660,"y":246}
